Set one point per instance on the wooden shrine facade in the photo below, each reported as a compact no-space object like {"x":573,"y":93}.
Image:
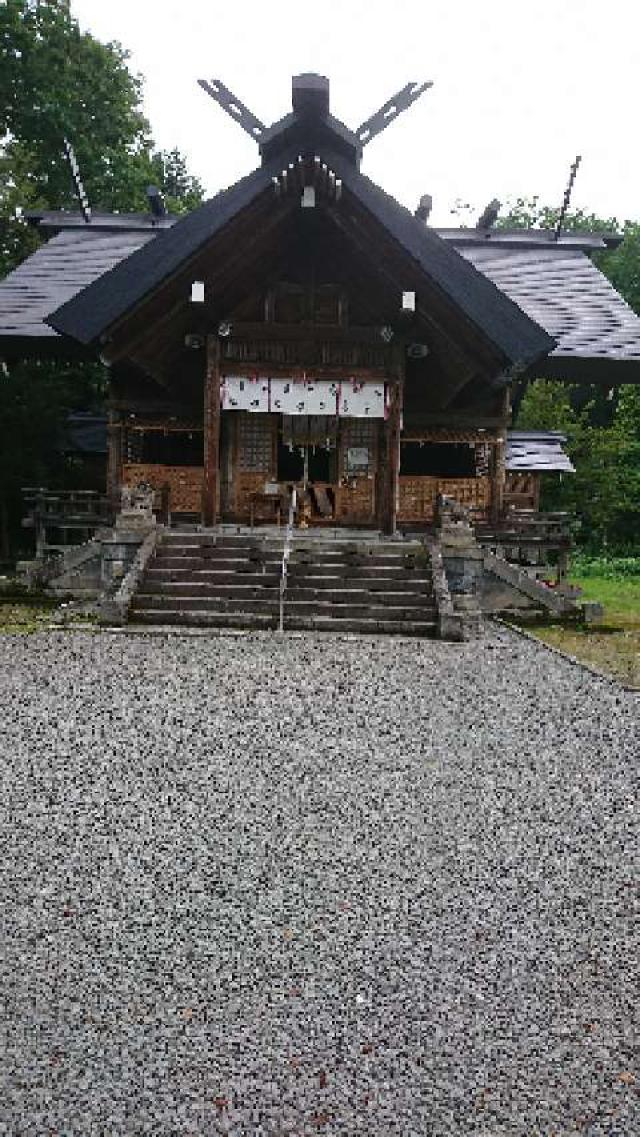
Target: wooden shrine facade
{"x":353,"y":463}
{"x":302,"y":328}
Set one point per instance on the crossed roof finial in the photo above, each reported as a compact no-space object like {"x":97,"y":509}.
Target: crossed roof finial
{"x":311,"y":96}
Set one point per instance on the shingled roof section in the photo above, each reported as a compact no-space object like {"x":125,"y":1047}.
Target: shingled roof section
{"x":537,"y":450}
{"x":57,"y":271}
{"x":597,"y":333}
{"x":519,"y":339}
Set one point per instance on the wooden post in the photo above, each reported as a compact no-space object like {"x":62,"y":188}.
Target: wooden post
{"x":392,"y":441}
{"x":114,"y":460}
{"x":210,"y":486}
{"x":499,"y":472}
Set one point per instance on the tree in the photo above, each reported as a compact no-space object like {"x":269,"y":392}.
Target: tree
{"x":58,"y":82}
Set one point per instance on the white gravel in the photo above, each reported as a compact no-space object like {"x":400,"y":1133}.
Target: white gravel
{"x":254,"y":885}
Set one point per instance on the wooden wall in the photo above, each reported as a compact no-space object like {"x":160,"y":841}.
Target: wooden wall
{"x":249,"y":458}
{"x":184,"y":483}
{"x":522,"y":490}
{"x":417,"y":496}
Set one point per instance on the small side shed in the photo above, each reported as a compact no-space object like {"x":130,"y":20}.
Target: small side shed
{"x":529,"y":455}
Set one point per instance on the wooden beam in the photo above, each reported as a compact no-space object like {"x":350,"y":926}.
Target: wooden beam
{"x":211,"y":433}
{"x":114,"y":459}
{"x":498,"y":471}
{"x":392,"y":442}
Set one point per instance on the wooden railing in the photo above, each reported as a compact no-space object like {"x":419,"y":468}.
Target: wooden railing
{"x":72,"y":514}
{"x":526,"y":537}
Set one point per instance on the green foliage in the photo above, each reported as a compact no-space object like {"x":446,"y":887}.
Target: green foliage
{"x":58,"y":82}
{"x":35,"y":398}
{"x":605,"y":567}
{"x":602,"y":426}
{"x":604,"y":493}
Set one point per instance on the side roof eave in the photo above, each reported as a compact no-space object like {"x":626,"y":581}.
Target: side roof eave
{"x":518,"y":339}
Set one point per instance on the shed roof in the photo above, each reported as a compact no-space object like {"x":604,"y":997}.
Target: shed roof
{"x":539,"y":451}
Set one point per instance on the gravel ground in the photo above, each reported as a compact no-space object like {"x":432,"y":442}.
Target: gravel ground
{"x":254,"y":885}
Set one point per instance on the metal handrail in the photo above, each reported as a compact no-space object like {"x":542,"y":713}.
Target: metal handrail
{"x":286,"y":553}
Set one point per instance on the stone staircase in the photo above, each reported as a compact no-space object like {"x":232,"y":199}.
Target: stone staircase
{"x":233,"y":581}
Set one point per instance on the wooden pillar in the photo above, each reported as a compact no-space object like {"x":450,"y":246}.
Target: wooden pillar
{"x":498,"y":470}
{"x":392,"y":443}
{"x":210,"y":486}
{"x":114,"y":460}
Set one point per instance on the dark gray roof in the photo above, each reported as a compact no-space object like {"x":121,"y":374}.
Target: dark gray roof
{"x":597,"y":333}
{"x":117,"y":292}
{"x":555,"y":283}
{"x":539,"y":451}
{"x":58,"y":270}
{"x":499,"y":320}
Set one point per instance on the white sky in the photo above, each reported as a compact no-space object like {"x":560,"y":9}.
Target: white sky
{"x":520,"y":88}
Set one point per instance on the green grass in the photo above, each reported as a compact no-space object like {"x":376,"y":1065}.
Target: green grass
{"x":17,"y":617}
{"x":612,"y":646}
{"x":621,"y":597}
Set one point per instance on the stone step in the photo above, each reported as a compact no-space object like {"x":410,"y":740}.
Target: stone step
{"x":215,"y":557}
{"x":158,"y":579}
{"x":380,"y":613}
{"x":411,"y":598}
{"x":146,"y":601}
{"x":254,"y":621}
{"x":425,"y":627}
{"x":215,"y":567}
{"x":247,"y":574}
{"x":152,"y":587}
{"x":175,"y":537}
{"x":312,"y":573}
{"x":335,"y":585}
{"x":386,"y":578}
{"x":244,"y":620}
{"x":177,"y":568}
{"x":391,"y":559}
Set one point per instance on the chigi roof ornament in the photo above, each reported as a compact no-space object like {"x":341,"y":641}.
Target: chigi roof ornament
{"x":310,"y":122}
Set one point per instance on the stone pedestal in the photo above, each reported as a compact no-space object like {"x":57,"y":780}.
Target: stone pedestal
{"x":134,"y":522}
{"x":463,"y":566}
{"x":118,"y":551}
{"x":462,"y":557}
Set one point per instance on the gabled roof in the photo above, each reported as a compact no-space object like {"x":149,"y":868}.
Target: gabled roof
{"x":503,"y":325}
